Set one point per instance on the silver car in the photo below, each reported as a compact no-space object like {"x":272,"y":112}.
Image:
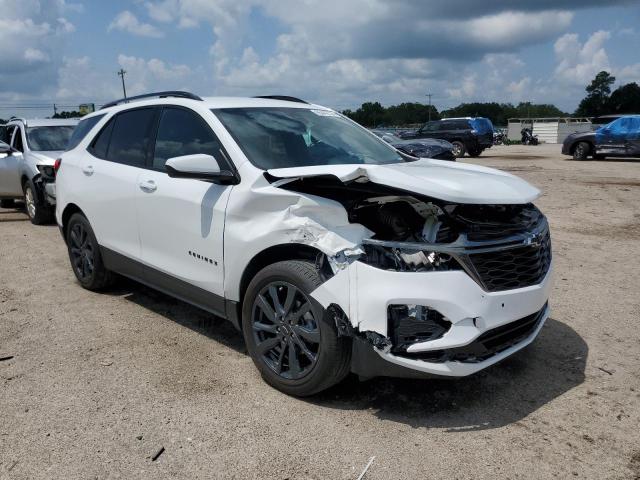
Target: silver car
{"x":27,"y":166}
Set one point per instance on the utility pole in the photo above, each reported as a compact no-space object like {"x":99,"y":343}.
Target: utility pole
{"x":55,"y":110}
{"x":121,"y":74}
{"x":429,"y":95}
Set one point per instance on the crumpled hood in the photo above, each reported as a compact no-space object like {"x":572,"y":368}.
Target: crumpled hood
{"x":46,"y":158}
{"x":452,"y":182}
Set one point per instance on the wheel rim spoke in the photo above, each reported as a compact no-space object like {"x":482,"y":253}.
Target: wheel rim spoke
{"x":283,"y":350}
{"x":312,"y":336}
{"x":301,"y":312}
{"x":303,"y":348}
{"x":291,"y":294}
{"x":273,"y":293}
{"x":266,"y":308}
{"x":265,"y":327}
{"x":294,"y":364}
{"x":268,"y":345}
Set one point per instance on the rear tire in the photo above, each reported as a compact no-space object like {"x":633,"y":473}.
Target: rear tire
{"x":292,"y":340}
{"x":458,"y":149}
{"x":581,"y":152}
{"x":7,"y":203}
{"x":475,"y":152}
{"x":84,"y":254}
{"x":38,"y":212}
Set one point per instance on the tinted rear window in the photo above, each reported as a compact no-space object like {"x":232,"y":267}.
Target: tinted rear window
{"x":481,"y":125}
{"x":81,"y":130}
{"x":131,"y":137}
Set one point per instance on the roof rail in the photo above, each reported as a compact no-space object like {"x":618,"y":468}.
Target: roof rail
{"x":170,"y":93}
{"x":284,"y":98}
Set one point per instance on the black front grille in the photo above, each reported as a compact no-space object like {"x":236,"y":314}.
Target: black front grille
{"x":514,"y":268}
{"x":486,"y":345}
{"x":489,"y":222}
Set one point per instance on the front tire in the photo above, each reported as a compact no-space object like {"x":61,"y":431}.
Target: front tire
{"x":458,"y":149}
{"x":84,"y":254}
{"x":581,"y":152}
{"x":39,"y":213}
{"x":292,"y":340}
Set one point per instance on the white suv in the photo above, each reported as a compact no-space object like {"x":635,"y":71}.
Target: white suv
{"x":330,"y":250}
{"x":26,"y":169}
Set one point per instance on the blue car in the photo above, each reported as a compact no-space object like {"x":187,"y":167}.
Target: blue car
{"x":619,"y":138}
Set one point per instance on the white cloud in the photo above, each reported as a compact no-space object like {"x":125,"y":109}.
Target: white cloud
{"x":128,"y":22}
{"x":578,"y":63}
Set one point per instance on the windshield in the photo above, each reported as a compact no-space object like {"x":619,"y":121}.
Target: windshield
{"x":300,"y":137}
{"x":49,"y":139}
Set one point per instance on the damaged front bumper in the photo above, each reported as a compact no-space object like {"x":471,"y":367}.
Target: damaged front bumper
{"x":483,"y":327}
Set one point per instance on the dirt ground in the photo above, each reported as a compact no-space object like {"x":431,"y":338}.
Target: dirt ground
{"x":98,"y":383}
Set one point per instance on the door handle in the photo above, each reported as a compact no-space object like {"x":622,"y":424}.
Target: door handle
{"x":88,"y":170}
{"x":148,"y":186}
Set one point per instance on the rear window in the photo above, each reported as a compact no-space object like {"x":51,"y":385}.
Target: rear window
{"x":481,"y":125}
{"x":81,"y":130}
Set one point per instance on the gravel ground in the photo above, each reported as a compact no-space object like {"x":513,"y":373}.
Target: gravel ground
{"x":98,"y":383}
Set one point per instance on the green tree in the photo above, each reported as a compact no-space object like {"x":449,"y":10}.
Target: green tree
{"x":72,"y":114}
{"x":625,"y":99}
{"x":598,"y":91}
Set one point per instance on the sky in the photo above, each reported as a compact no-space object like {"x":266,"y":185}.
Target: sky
{"x":338,"y":53}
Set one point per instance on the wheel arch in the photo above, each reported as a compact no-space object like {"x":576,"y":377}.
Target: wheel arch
{"x":268,"y":256}
{"x":68,"y":211}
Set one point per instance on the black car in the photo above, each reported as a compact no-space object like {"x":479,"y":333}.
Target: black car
{"x":424,"y":148}
{"x":468,"y":135}
{"x":620,"y":138}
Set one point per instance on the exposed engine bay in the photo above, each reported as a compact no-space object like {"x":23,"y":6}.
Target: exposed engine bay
{"x":409,"y":228}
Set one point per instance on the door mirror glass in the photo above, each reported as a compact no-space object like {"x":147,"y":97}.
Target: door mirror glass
{"x":5,"y":149}
{"x":199,"y":166}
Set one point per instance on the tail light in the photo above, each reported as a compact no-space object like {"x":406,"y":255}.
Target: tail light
{"x":56,"y":165}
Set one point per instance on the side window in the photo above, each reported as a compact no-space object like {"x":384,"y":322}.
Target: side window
{"x":5,"y":134}
{"x":183,"y":132}
{"x":100,"y":144}
{"x":131,"y":137}
{"x":431,"y":127}
{"x":81,"y":130}
{"x":17,"y":139}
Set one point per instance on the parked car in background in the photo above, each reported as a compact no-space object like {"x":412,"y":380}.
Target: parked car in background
{"x":423,"y":148}
{"x":329,"y":249}
{"x":619,"y":138}
{"x":470,"y":135}
{"x":26,"y":172}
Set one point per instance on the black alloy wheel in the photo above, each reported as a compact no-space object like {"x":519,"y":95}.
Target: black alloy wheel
{"x":81,"y":252}
{"x":286,"y":333}
{"x":292,"y":339}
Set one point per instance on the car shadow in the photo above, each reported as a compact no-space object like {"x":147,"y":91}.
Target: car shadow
{"x":498,"y":396}
{"x":180,"y":312}
{"x":606,"y":160}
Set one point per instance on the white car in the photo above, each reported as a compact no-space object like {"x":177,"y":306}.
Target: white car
{"x":26,"y":169}
{"x":330,"y":250}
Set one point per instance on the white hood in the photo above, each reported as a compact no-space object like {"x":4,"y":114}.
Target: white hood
{"x":452,"y":182}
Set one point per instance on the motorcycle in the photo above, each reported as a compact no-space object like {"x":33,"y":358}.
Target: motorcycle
{"x":499,"y":137}
{"x":528,"y":138}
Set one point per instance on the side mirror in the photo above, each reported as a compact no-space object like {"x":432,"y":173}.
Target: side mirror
{"x":199,"y":166}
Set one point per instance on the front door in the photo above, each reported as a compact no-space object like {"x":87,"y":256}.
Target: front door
{"x":611,"y":139}
{"x":182,"y":220}
{"x":10,"y":170}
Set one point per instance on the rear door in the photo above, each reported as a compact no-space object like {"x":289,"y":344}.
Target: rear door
{"x":182,"y":220}
{"x":109,"y":182}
